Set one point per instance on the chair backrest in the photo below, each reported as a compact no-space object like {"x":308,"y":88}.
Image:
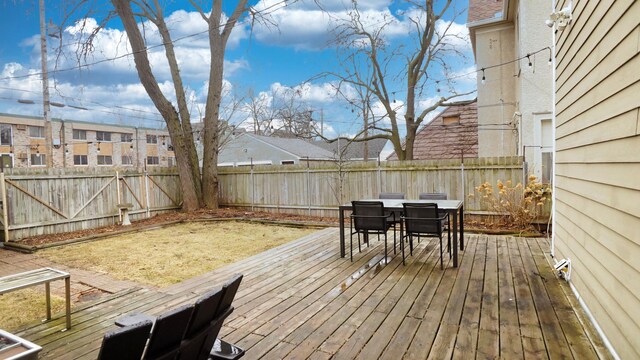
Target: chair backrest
{"x":126,"y":343}
{"x":216,"y":325}
{"x":204,"y":311}
{"x":168,"y":331}
{"x":391,"y":195}
{"x":230,"y":288}
{"x":368,"y":215}
{"x":432,"y":196}
{"x":422,"y":218}
{"x":192,"y":348}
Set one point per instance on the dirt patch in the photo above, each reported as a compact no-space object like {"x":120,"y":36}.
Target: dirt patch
{"x":21,"y":307}
{"x":174,"y":253}
{"x":203,"y":214}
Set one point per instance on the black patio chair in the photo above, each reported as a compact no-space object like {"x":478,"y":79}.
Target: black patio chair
{"x":224,"y":350}
{"x":167,"y":334}
{"x":432,"y":196}
{"x":126,"y":343}
{"x":437,"y":196}
{"x":369,"y":217}
{"x":391,"y":195}
{"x":200,"y":325}
{"x":423,"y":220}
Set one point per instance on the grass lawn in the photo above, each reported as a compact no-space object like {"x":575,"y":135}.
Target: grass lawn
{"x":169,"y":255}
{"x":21,"y":307}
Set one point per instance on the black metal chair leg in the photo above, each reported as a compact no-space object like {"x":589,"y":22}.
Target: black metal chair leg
{"x":359,"y":247}
{"x":402,"y":248}
{"x":441,"y":266}
{"x":351,"y":247}
{"x":385,"y":248}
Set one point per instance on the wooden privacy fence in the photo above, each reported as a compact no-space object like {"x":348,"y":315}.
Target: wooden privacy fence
{"x":56,"y":201}
{"x":317,"y":189}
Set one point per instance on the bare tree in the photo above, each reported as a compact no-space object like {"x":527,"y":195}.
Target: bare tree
{"x":199,"y":189}
{"x":367,"y":60}
{"x":282,"y":112}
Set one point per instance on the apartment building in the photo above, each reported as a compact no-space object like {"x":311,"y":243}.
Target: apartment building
{"x":82,"y":144}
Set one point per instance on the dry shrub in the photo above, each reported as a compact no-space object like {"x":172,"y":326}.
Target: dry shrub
{"x":518,"y":206}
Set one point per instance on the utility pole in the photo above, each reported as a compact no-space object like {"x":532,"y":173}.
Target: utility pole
{"x":48,"y":134}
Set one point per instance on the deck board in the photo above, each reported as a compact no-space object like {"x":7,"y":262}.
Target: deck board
{"x":302,"y":301}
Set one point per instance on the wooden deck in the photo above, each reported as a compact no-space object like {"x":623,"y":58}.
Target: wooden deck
{"x":302,"y":300}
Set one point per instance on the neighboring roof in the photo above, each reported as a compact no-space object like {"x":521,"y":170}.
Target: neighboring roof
{"x":481,"y":10}
{"x":297,"y":147}
{"x":352,"y":150}
{"x":438,"y":141}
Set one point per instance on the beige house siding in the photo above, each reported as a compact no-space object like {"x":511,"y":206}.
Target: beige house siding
{"x":597,"y":218}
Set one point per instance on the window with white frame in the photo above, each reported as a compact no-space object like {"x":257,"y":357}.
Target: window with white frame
{"x":6,"y":160}
{"x":152,"y":139}
{"x":126,"y":137}
{"x":80,"y":160}
{"x":153,"y":160}
{"x":105,"y":160}
{"x":38,"y":160}
{"x":103,"y":136}
{"x":36,"y":131}
{"x":127,"y":160}
{"x":5,"y":135}
{"x":79,"y":134}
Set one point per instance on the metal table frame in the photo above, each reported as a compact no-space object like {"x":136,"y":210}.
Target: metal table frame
{"x":36,"y":277}
{"x":453,"y":207}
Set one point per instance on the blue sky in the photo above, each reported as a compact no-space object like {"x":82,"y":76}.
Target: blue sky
{"x":263,"y":59}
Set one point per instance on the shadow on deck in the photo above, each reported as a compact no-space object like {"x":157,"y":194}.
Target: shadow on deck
{"x":301,"y":300}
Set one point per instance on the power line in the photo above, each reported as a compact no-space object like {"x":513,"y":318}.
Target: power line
{"x":221,"y":26}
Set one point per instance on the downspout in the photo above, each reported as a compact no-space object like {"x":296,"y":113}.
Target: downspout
{"x":553,"y":133}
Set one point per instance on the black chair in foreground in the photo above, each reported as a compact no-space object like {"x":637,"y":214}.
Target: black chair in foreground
{"x":423,"y":220}
{"x":126,"y":343}
{"x":200,"y":325}
{"x":167,"y":333}
{"x":217,"y":348}
{"x":369,"y":217}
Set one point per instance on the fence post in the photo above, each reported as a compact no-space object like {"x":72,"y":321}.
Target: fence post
{"x":118,"y":194}
{"x":308,"y":188}
{"x":379,"y":176}
{"x":5,"y":215}
{"x":146,"y":191}
{"x":253,"y":189}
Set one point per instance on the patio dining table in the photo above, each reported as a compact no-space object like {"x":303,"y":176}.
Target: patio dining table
{"x":455,"y":208}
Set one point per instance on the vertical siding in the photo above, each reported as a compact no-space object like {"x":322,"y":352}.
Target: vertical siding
{"x":598,"y":163}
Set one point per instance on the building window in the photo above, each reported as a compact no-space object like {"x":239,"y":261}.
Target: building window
{"x":451,"y":120}
{"x":80,"y":160}
{"x":5,"y":135}
{"x":126,"y":137}
{"x":153,"y":160}
{"x":79,"y":134}
{"x":171,"y":161}
{"x":36,"y":131}
{"x":38,"y":160}
{"x":6,"y":161}
{"x":152,"y":139}
{"x":127,"y":160}
{"x":105,"y":160}
{"x":103,"y":136}
{"x":287,"y":162}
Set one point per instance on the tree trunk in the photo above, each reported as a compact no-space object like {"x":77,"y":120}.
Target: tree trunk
{"x":190,"y":197}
